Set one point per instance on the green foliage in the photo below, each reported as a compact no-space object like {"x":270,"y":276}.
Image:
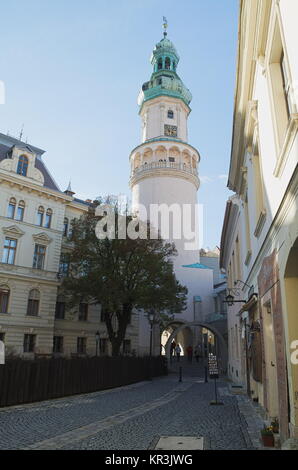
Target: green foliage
{"x":122,"y":275}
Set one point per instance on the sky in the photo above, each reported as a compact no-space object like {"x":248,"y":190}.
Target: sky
{"x":72,"y":71}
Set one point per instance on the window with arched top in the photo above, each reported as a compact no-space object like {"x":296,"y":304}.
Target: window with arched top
{"x":48,"y":221}
{"x":168,"y":63}
{"x":170,"y":114}
{"x":22,"y":165}
{"x":11,"y":208}
{"x":65,"y":226}
{"x":33,"y":302}
{"x":4,"y":298}
{"x":159,"y":64}
{"x":20,"y":211}
{"x":40,"y":215}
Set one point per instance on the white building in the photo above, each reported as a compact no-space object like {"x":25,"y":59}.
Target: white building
{"x":164,"y":171}
{"x":260,"y":232}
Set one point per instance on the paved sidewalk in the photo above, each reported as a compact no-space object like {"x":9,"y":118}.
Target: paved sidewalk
{"x":133,"y":417}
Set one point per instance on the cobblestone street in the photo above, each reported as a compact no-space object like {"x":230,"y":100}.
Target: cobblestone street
{"x":134,"y":417}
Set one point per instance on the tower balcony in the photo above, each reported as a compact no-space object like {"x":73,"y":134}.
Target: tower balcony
{"x":165,"y":168}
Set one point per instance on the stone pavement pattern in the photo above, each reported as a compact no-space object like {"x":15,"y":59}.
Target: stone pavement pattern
{"x":132,"y":417}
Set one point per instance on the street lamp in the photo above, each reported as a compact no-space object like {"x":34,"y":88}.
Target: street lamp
{"x":97,"y":338}
{"x":151,"y":321}
{"x":230,"y":300}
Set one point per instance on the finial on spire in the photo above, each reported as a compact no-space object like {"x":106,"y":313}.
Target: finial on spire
{"x":69,"y":191}
{"x":21,"y":133}
{"x":165,"y":26}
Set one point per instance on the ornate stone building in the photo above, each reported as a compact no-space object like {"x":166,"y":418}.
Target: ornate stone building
{"x":260,"y":232}
{"x":35,"y":222}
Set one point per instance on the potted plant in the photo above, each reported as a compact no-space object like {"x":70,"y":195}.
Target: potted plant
{"x":267,"y":436}
{"x":275,"y":426}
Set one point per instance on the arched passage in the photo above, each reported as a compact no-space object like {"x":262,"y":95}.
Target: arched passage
{"x":223,"y":350}
{"x":290,"y":290}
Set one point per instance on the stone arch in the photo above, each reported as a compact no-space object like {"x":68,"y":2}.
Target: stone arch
{"x":161,"y":153}
{"x":174,"y":153}
{"x":222,"y":342}
{"x":186,"y":158}
{"x":147,"y":156}
{"x":290,"y":288}
{"x":137,"y":161}
{"x":194,"y":161}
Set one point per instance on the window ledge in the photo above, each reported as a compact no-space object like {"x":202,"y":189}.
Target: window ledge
{"x":288,"y":142}
{"x":260,"y":224}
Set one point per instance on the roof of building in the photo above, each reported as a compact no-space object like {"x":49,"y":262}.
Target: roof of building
{"x":8,"y":142}
{"x":165,"y":46}
{"x":196,"y":266}
{"x":164,"y":80}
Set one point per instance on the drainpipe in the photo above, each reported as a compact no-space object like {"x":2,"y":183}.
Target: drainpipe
{"x":247,"y":361}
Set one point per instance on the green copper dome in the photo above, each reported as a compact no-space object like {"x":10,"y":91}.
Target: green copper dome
{"x":164,"y":47}
{"x":164,"y":80}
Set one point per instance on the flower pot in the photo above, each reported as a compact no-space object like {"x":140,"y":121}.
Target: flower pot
{"x":268,"y":441}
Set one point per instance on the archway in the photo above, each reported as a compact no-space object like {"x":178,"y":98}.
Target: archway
{"x":290,"y":290}
{"x":223,"y":350}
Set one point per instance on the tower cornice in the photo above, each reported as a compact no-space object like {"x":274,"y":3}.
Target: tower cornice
{"x":172,"y":171}
{"x":163,"y":141}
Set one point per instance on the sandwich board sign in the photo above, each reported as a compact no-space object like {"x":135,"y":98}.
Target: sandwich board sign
{"x":213,"y":366}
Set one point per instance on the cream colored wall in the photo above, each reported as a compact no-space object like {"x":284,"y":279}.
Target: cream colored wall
{"x":154,"y":117}
{"x":278,"y":153}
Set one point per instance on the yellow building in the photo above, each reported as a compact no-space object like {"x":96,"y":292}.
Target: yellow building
{"x":35,"y":221}
{"x":260,"y":232}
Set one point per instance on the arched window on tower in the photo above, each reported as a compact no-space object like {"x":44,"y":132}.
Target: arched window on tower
{"x":159,"y":64}
{"x":170,"y":114}
{"x":22,"y":165}
{"x":168,"y":63}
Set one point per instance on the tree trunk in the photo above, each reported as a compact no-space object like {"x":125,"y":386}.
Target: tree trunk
{"x":116,"y":338}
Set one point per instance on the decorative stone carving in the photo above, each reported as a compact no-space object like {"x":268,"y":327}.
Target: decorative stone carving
{"x":13,"y":231}
{"x":42,"y":238}
{"x":6,"y":164}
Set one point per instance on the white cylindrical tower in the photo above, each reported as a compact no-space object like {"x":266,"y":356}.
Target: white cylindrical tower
{"x":164,"y":170}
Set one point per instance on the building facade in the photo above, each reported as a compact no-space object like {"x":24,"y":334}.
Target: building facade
{"x":35,"y":224}
{"x":260,"y":232}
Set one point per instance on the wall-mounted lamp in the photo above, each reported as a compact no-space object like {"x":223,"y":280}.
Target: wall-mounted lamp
{"x":255,"y":326}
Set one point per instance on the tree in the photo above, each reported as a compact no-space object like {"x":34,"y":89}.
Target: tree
{"x":121,"y":275}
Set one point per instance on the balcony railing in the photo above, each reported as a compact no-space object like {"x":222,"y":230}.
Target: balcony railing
{"x":161,"y":165}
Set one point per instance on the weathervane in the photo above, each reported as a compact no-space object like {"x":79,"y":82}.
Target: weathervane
{"x":165,"y":26}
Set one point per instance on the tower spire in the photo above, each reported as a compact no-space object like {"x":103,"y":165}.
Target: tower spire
{"x":165,"y":26}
